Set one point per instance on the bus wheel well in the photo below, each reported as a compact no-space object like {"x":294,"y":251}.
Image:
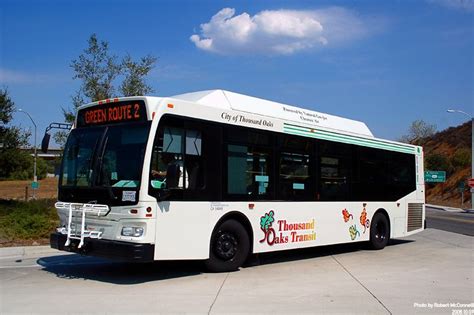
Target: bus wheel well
{"x":384,"y":212}
{"x":242,"y":219}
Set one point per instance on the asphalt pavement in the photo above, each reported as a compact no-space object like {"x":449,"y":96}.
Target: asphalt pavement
{"x":450,"y":219}
{"x":429,"y":273}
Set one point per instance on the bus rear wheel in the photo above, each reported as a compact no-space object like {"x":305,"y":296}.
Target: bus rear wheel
{"x":379,"y":231}
{"x":229,"y":247}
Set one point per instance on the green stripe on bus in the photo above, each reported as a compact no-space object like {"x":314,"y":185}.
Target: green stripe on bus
{"x":348,"y":140}
{"x":306,"y":129}
{"x":394,"y":145}
{"x":361,"y":143}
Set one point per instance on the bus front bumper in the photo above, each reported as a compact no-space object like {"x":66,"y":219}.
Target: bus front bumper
{"x":106,"y":248}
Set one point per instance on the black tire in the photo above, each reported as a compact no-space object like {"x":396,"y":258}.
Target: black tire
{"x":229,"y":248}
{"x":379,"y":231}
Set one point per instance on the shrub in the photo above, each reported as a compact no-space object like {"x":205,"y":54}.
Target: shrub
{"x":21,"y":220}
{"x":438,"y":162}
{"x":461,"y":159}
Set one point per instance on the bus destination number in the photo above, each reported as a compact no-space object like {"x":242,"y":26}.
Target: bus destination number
{"x":112,"y":114}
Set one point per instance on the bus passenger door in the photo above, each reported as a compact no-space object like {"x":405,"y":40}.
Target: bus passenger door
{"x":185,"y":176}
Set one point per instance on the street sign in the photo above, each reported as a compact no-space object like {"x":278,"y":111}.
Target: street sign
{"x":35,"y":185}
{"x":471,"y":182}
{"x":435,"y":176}
{"x":462,"y":186}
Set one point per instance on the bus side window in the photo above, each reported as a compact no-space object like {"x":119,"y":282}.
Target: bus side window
{"x":335,"y":171}
{"x":401,"y":175}
{"x":193,"y":160}
{"x":176,"y":160}
{"x":294,"y":178}
{"x":173,"y":140}
{"x":167,"y":167}
{"x":248,"y":171}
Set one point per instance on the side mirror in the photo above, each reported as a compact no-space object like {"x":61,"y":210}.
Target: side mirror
{"x":45,"y":142}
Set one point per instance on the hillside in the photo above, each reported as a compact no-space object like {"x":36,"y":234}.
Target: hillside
{"x":449,"y":150}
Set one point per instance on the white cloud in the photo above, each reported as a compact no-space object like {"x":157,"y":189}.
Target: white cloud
{"x":18,"y":77}
{"x":466,"y":5}
{"x":278,"y":31}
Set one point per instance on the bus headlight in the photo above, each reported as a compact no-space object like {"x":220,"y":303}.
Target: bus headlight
{"x":134,"y":231}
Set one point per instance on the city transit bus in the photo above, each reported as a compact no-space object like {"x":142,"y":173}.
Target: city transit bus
{"x":218,"y":176}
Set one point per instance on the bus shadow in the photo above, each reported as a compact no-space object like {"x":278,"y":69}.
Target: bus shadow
{"x":125,"y":273}
{"x":74,"y":266}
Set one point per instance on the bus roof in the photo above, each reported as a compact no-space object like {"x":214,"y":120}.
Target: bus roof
{"x":244,"y":103}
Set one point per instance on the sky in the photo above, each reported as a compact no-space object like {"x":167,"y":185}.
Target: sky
{"x":386,"y":63}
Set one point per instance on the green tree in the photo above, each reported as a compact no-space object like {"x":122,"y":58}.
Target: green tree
{"x":7,"y":107}
{"x":10,"y":137}
{"x":97,"y":70}
{"x":15,"y":164}
{"x":135,"y":73}
{"x":461,"y":158}
{"x":418,"y":131}
{"x":438,"y":162}
{"x":19,"y":165}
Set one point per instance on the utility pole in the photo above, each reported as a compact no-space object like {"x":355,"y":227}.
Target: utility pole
{"x":35,"y":177}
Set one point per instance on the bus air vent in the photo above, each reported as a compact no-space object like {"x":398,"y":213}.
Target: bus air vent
{"x":415,"y":216}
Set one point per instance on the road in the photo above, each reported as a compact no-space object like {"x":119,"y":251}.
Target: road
{"x":421,"y":274}
{"x":457,"y":222}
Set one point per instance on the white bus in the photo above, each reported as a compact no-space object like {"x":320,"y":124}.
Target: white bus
{"x":218,"y":176}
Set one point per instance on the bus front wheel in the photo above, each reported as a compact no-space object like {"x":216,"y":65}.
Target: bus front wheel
{"x":379,"y":231}
{"x":229,"y":247}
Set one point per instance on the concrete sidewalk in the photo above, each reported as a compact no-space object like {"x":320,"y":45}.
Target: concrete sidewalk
{"x":27,"y":251}
{"x":429,"y":273}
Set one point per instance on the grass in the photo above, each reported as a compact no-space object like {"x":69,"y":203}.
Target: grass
{"x":15,"y":189}
{"x":26,"y":223}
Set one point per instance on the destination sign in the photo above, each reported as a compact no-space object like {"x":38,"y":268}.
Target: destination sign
{"x":112,"y":113}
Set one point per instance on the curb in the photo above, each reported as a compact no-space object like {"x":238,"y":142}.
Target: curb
{"x":449,"y":209}
{"x":7,"y":252}
{"x":434,"y":207}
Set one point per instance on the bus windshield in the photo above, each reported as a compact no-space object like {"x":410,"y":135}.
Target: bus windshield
{"x":106,"y":156}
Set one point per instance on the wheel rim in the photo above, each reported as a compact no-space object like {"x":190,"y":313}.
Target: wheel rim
{"x":380,"y":232}
{"x":226,"y":246}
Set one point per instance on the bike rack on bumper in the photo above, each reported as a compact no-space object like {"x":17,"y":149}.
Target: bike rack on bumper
{"x":87,"y":242}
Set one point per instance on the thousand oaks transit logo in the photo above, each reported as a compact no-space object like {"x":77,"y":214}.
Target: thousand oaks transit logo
{"x":286,"y":232}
